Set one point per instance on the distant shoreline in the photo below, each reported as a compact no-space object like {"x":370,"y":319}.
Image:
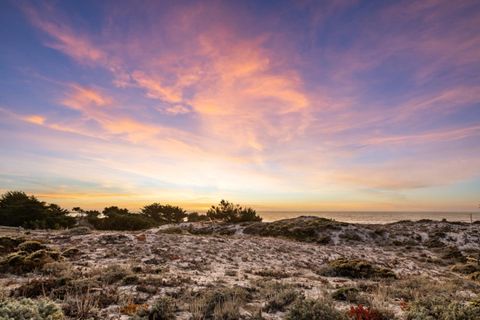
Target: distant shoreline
{"x":376,"y":217}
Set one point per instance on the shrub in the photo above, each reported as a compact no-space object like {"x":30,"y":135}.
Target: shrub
{"x":42,"y":309}
{"x":281,"y":299}
{"x":306,"y":309}
{"x":31,"y":246}
{"x":467,"y":268}
{"x":21,"y":261}
{"x":164,"y":213}
{"x":361,"y":313}
{"x":196,"y":217}
{"x":452,"y":254}
{"x":309,"y":229}
{"x":439,"y":308}
{"x":355,"y":268}
{"x":77,"y":231}
{"x":120,"y":219}
{"x":19,"y":210}
{"x":163,"y":309}
{"x":71,"y":252}
{"x":218,"y":304}
{"x":114,"y":273}
{"x":233,"y":213}
{"x":130,"y":280}
{"x":349,"y":294}
{"x":8,"y":245}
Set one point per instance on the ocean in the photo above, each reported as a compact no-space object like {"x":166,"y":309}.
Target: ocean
{"x":372,"y":217}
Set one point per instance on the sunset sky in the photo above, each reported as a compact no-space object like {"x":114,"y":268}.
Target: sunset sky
{"x":281,"y":105}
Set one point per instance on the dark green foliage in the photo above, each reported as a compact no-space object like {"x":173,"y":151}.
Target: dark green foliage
{"x":232,"y":213}
{"x":19,"y":210}
{"x":196,"y":217}
{"x":42,"y":309}
{"x":452,"y":255}
{"x":8,"y":245}
{"x":306,"y":309}
{"x":281,"y":299}
{"x":22,"y":261}
{"x":71,"y":252}
{"x":219,"y":303}
{"x":163,"y":309}
{"x":31,"y":246}
{"x":310,"y":229}
{"x":130,"y":280}
{"x":355,"y":268}
{"x":120,"y":219}
{"x":349,"y":294}
{"x":164,"y":213}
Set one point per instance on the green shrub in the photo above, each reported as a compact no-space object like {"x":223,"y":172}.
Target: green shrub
{"x":233,"y":213}
{"x":306,"y":309}
{"x":355,"y":269}
{"x":467,"y":268}
{"x":77,"y":231}
{"x":31,"y":246}
{"x":27,"y":309}
{"x":20,"y":210}
{"x":440,"y":308}
{"x":71,"y":252}
{"x":21,"y":261}
{"x":163,"y":309}
{"x":196,"y":217}
{"x":309,"y":229}
{"x":349,"y":294}
{"x":120,"y":219}
{"x":130,"y":280}
{"x":114,"y":273}
{"x":164,"y":213}
{"x":8,"y":245}
{"x":452,"y":255}
{"x":222,"y":304}
{"x":280,"y":299}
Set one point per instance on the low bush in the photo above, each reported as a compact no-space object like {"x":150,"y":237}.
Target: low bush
{"x":24,"y":309}
{"x":367,"y":313}
{"x":306,"y":309}
{"x":21,"y":261}
{"x":309,"y":229}
{"x":8,"y":245}
{"x":163,"y":309}
{"x":233,"y":213}
{"x":31,"y":246}
{"x":280,"y":299}
{"x":218,"y":303}
{"x":349,"y":294}
{"x":438,"y":308}
{"x":355,"y":269}
{"x":78,"y":231}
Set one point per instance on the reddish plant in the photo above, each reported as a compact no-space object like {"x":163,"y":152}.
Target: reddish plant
{"x":361,"y":313}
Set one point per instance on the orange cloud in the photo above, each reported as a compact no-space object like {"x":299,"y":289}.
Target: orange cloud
{"x":81,"y":98}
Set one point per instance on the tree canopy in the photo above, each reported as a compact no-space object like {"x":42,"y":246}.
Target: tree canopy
{"x":17,"y":209}
{"x":233,"y":213}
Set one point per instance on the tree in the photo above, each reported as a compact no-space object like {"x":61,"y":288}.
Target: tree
{"x":115,"y":218}
{"x":114,"y":210}
{"x":233,"y":213}
{"x":19,"y":209}
{"x":164,"y":213}
{"x":195,"y":217}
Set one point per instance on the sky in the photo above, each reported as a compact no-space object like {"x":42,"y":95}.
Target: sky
{"x":279,"y":105}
